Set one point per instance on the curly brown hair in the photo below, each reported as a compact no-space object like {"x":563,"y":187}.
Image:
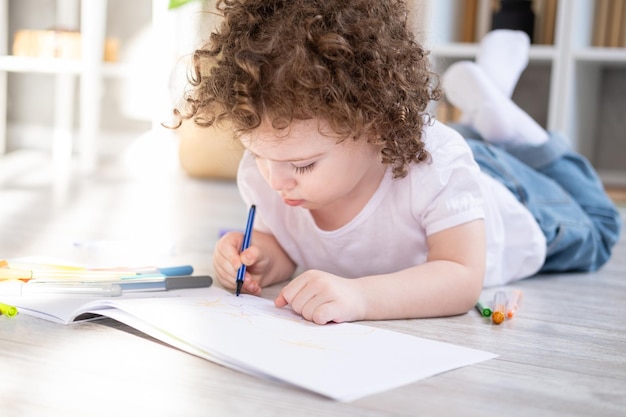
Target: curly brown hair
{"x":354,"y":64}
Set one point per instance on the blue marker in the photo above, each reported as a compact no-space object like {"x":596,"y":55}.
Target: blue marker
{"x":176,"y":270}
{"x":246,"y":243}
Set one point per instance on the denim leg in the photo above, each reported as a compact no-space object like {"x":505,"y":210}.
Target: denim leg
{"x":564,"y":194}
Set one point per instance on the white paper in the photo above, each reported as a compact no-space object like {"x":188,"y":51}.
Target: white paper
{"x":341,"y":361}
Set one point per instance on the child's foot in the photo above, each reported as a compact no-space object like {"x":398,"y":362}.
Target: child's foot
{"x":502,"y":56}
{"x":491,"y":113}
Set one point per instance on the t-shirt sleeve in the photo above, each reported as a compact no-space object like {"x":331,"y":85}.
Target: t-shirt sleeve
{"x":447,"y":191}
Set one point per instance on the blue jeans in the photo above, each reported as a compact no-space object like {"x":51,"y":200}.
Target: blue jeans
{"x":564,"y":194}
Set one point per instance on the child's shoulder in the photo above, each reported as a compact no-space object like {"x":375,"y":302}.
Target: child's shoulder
{"x":448,"y":151}
{"x":443,"y":142}
{"x":438,"y":133}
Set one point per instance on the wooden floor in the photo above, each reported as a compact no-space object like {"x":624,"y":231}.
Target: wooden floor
{"x":563,"y":355}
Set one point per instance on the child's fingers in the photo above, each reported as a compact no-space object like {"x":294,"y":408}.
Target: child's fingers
{"x":227,"y":261}
{"x":226,"y":258}
{"x":224,"y":274}
{"x":289,"y":292}
{"x":250,"y":286}
{"x":280,"y":300}
{"x":250,"y":256}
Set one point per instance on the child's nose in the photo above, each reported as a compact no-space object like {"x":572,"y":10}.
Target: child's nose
{"x":281,"y":179}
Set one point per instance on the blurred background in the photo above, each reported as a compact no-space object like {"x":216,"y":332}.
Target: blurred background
{"x":92,"y":105}
{"x":86,"y":82}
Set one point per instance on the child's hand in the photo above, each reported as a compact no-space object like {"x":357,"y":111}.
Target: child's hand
{"x":227,"y":260}
{"x":322,"y":297}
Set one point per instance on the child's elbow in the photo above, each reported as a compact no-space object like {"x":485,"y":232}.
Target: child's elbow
{"x":473,"y":286}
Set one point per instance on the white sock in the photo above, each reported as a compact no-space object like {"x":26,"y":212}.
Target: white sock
{"x":503,"y":56}
{"x":488,"y":110}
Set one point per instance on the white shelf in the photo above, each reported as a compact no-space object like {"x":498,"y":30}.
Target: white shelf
{"x":10,"y":63}
{"x":601,"y":55}
{"x":576,"y":67}
{"x":91,"y":14}
{"x":542,"y":53}
{"x":461,"y":50}
{"x":34,"y":65}
{"x":151,"y":54}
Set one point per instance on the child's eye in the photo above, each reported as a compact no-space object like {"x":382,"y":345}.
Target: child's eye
{"x":304,"y":169}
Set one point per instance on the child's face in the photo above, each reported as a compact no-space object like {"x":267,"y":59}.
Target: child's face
{"x":310,"y":169}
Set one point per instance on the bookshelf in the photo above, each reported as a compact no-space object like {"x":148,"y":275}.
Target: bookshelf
{"x":90,"y":16}
{"x":79,"y":85}
{"x":565,"y":85}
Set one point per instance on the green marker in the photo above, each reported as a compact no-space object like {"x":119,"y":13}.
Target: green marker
{"x":483,"y":309}
{"x":8,"y":310}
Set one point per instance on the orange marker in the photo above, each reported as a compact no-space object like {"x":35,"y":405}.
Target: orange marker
{"x":513,"y":304}
{"x":499,"y":303}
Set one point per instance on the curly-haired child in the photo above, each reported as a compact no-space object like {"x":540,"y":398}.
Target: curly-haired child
{"x":371,"y":207}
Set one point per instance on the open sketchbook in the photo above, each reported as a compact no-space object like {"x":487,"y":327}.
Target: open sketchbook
{"x":247,"y":333}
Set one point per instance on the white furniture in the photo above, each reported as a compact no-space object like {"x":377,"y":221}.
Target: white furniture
{"x":576,"y":68}
{"x":90,"y":17}
{"x":570,"y":101}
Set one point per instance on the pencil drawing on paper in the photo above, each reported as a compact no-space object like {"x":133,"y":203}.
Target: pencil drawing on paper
{"x":299,"y":332}
{"x":237,"y":307}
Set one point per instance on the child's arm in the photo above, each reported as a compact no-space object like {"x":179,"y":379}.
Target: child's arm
{"x":266,"y":261}
{"x":448,"y":283}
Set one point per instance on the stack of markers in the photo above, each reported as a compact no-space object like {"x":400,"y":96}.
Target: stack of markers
{"x":30,"y":278}
{"x":501,"y":307}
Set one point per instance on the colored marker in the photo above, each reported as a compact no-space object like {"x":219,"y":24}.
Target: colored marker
{"x":499,"y":302}
{"x":8,"y":310}
{"x":513,"y":304}
{"x":32,"y":288}
{"x":27,"y":274}
{"x":169,"y":271}
{"x":59,"y":273}
{"x":168,"y":283}
{"x":245,"y":244}
{"x":483,"y":309}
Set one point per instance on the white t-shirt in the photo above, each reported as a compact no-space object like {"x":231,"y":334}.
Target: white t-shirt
{"x":389,"y":234}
